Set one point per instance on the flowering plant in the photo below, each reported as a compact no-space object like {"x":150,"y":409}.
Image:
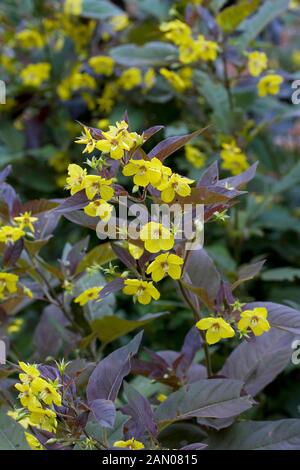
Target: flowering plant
{"x":141,"y":228}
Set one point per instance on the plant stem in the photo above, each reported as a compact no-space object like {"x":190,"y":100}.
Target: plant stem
{"x":197,"y":317}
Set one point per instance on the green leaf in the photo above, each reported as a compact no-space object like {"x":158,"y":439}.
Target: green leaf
{"x":216,"y":96}
{"x":109,"y":328}
{"x":272,"y":435}
{"x":100,"y":255}
{"x":157,"y":8}
{"x":289,"y":181}
{"x":281,"y":274}
{"x":11,"y":434}
{"x":232,"y":16}
{"x":94,"y":309}
{"x":99,"y":9}
{"x":152,"y":54}
{"x":252,"y":27}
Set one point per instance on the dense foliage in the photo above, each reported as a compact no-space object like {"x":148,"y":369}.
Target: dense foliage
{"x":184,"y":102}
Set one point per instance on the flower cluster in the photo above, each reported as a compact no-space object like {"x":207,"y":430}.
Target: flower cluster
{"x":38,"y":397}
{"x":217,"y":328}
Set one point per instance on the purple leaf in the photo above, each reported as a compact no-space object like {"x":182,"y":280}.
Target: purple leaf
{"x":80,"y":218}
{"x":215,"y":398}
{"x":148,"y":133}
{"x":210,"y":176}
{"x":10,"y":197}
{"x":107,"y":378}
{"x":76,"y":254}
{"x":259,"y":362}
{"x":140,"y":411}
{"x":12,"y":253}
{"x":195,"y":446}
{"x":5,"y":173}
{"x":104,"y":412}
{"x":111,"y":288}
{"x":247,"y":272}
{"x":280,"y":316}
{"x":192,"y":344}
{"x":203,"y":275}
{"x":237,"y":181}
{"x":75,"y":202}
{"x":172,"y":144}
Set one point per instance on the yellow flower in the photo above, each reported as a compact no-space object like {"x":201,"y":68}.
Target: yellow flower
{"x":165,"y":264}
{"x":207,"y":50}
{"x":233,"y":159}
{"x":176,"y":31}
{"x":44,"y":419}
{"x":10,"y":235}
{"x":179,"y":81}
{"x":35,"y":74}
{"x":27,"y":398}
{"x":176,"y":185}
{"x":8,"y":284}
{"x":46,"y":392}
{"x":216,"y":329}
{"x":145,"y":172}
{"x":89,"y":294}
{"x":96,"y":185}
{"x":102,"y":65}
{"x":156,"y":237}
{"x":119,"y":22}
{"x":106,"y":101}
{"x":131,"y":444}
{"x":269,"y":85}
{"x":143,"y":291}
{"x":31,"y":372}
{"x":19,"y":415}
{"x":118,"y":140}
{"x":195,"y":156}
{"x":135,"y":250}
{"x":33,"y":442}
{"x":26,"y":220}
{"x":77,"y":178}
{"x":76,"y":81}
{"x":87,"y":140}
{"x":103,"y":123}
{"x":149,"y":79}
{"x":99,"y":208}
{"x":256,"y":320}
{"x":257,"y":63}
{"x":15,"y":326}
{"x":73,"y":7}
{"x":130,"y":78}
{"x":161,"y":397}
{"x":296,"y":57}
{"x":189,"y":51}
{"x":29,"y":38}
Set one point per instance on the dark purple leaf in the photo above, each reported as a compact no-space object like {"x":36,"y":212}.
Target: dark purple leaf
{"x":210,"y":176}
{"x":104,"y":411}
{"x":258,"y":435}
{"x":172,"y":144}
{"x":195,"y":446}
{"x":107,"y":378}
{"x":124,"y":256}
{"x":259,"y":362}
{"x":75,"y":202}
{"x":80,"y":218}
{"x":76,"y":254}
{"x":5,"y":173}
{"x":148,"y":133}
{"x":203,"y":275}
{"x":10,"y":197}
{"x":192,"y":344}
{"x":240,"y":180}
{"x":12,"y":253}
{"x":112,"y":287}
{"x":247,"y":272}
{"x":280,"y":316}
{"x":215,"y":398}
{"x":139,"y":409}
